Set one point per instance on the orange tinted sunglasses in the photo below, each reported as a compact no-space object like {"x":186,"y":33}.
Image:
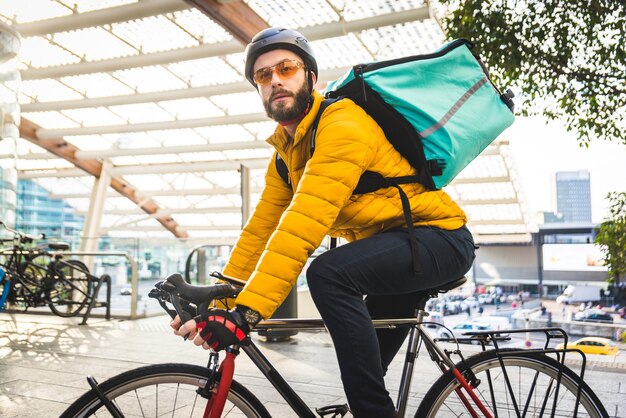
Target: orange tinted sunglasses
{"x":284,"y":69}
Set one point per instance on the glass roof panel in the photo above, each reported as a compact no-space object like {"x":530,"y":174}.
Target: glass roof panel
{"x":201,"y":26}
{"x":199,"y":107}
{"x":147,"y":181}
{"x":341,"y":52}
{"x":94,"y":116}
{"x":239,"y":103}
{"x":496,"y":212}
{"x":173,"y":137}
{"x":81,"y":42}
{"x":86,"y":6}
{"x":97,"y":85}
{"x":146,"y":159}
{"x":142,"y":113}
{"x":151,"y":34}
{"x":89,"y":142}
{"x":205,"y":71}
{"x":226,"y":133}
{"x":28,"y":164}
{"x":290,"y":13}
{"x":400,"y":40}
{"x":483,"y":191}
{"x":355,"y":10}
{"x":485,"y":166}
{"x":147,"y":79}
{"x":500,"y":229}
{"x":39,"y":52}
{"x":32,"y":10}
{"x":262,"y":130}
{"x":51,"y":120}
{"x":48,"y":90}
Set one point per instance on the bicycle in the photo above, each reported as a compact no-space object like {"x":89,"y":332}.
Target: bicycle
{"x":492,"y":383}
{"x":35,"y":277}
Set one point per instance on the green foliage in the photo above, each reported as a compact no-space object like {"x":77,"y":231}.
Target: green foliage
{"x":612,"y":235}
{"x":567,"y":57}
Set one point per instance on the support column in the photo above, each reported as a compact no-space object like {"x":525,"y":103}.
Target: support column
{"x":245,"y":194}
{"x":9,"y":122}
{"x":93,"y":220}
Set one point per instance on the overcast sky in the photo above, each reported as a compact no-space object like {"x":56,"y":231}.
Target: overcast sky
{"x":540,"y":150}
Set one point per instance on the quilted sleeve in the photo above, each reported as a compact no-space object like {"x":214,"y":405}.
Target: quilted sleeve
{"x":344,"y":149}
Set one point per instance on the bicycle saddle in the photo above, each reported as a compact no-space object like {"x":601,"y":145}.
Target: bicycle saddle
{"x":59,"y":246}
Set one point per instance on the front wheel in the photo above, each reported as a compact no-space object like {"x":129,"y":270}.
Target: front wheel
{"x":70,"y":291}
{"x":164,"y":390}
{"x":534,"y":389}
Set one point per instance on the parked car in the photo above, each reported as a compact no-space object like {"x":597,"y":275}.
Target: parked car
{"x":486,"y":298}
{"x":594,"y":315}
{"x":472,"y":302}
{"x":593,"y":345}
{"x":467,"y":326}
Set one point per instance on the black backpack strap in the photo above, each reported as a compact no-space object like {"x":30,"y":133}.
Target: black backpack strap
{"x":281,"y":167}
{"x":325,"y":103}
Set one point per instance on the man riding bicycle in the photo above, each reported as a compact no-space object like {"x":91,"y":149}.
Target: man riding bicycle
{"x":372,"y":276}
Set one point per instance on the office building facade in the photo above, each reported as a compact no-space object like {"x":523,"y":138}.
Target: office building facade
{"x":573,"y":196}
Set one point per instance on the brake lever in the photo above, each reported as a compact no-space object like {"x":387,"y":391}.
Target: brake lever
{"x":166,"y":292}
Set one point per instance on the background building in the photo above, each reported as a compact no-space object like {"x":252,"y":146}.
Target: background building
{"x":573,"y":195}
{"x":37,"y":213}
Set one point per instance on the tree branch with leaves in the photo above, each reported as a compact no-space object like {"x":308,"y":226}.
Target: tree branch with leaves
{"x":612,"y":236}
{"x":567,"y":58}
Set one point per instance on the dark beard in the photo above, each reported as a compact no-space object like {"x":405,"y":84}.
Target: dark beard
{"x":287,"y":114}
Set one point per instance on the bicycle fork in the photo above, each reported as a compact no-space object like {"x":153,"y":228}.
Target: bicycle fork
{"x":218,"y":385}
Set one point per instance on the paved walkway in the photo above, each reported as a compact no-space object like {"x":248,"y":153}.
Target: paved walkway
{"x":44,"y":360}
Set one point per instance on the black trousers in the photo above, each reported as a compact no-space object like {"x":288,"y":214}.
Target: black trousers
{"x":373,"y":278}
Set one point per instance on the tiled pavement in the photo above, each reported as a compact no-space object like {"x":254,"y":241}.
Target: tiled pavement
{"x":44,"y":361}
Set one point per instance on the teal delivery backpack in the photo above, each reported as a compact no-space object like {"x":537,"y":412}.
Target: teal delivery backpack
{"x":439,"y":110}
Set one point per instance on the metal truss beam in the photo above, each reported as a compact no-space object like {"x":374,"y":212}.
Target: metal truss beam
{"x":182,"y":149}
{"x":501,"y":238}
{"x":186,"y":93}
{"x":126,"y":152}
{"x":509,"y":201}
{"x":154,"y":228}
{"x":518,"y":221}
{"x":471,"y":180}
{"x":218,"y":191}
{"x":61,"y":148}
{"x":197,"y":167}
{"x":323,"y":31}
{"x":169,"y":211}
{"x":154,"y":126}
{"x":139,"y":10}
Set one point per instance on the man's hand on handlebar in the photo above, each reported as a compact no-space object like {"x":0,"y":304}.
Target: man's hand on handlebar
{"x":215,"y":329}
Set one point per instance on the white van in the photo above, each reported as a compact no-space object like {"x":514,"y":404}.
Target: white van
{"x":497,"y":323}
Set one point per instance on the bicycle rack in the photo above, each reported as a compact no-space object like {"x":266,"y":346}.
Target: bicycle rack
{"x":95,"y":303}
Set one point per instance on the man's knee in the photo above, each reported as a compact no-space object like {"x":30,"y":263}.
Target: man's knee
{"x":317,"y":273}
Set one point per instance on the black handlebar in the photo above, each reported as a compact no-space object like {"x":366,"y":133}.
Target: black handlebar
{"x":189,"y":300}
{"x":25,"y":238}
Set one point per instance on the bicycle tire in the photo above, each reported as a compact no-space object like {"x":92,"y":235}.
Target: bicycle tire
{"x":4,"y":287}
{"x":172,"y":389}
{"x":71,"y":290}
{"x":441,"y":401}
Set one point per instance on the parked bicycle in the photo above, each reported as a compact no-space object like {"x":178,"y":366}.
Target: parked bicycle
{"x":35,"y":277}
{"x":492,"y":383}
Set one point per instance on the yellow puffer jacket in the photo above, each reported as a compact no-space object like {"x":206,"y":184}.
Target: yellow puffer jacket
{"x":288,"y":224}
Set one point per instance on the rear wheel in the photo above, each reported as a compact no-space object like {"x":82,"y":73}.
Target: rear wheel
{"x":71,"y":289}
{"x":536,"y":388}
{"x":163,"y":390}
